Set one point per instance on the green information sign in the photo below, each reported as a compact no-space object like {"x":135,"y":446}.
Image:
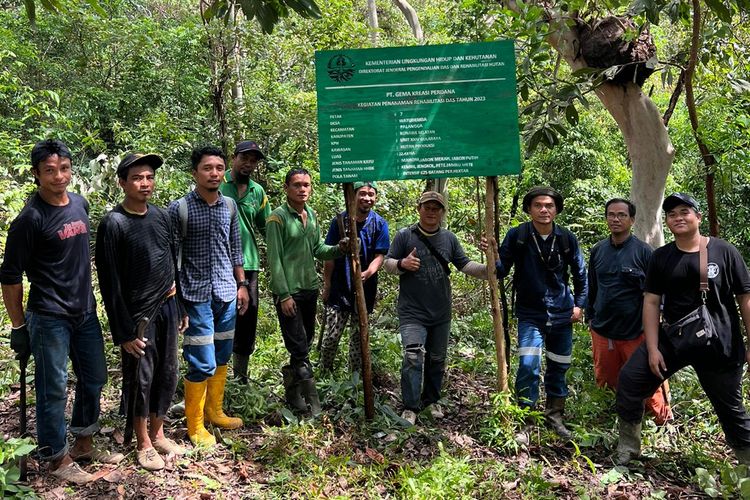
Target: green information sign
{"x":417,"y":112}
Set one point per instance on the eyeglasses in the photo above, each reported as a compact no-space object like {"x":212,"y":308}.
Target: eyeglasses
{"x":619,"y":215}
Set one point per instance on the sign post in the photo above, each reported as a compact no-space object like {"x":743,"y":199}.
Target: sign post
{"x":423,"y":112}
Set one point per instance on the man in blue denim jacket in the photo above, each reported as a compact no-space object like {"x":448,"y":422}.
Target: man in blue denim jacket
{"x":546,"y":256}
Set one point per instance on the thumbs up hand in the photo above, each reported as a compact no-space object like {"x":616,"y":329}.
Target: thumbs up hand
{"x":411,"y":262}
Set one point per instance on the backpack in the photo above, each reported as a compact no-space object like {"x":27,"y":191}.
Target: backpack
{"x":564,"y":247}
{"x":182,"y":211}
{"x":524,"y":232}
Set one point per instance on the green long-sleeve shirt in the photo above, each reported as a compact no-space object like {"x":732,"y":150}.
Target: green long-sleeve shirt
{"x":253,"y":209}
{"x":292,"y":249}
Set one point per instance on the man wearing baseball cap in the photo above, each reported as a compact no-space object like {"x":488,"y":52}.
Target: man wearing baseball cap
{"x":253,"y":209}
{"x":673,"y":279}
{"x":49,"y":243}
{"x":420,"y":255}
{"x":338,"y":290}
{"x":136,"y":267}
{"x":544,"y":255}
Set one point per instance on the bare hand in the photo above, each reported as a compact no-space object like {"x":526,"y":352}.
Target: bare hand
{"x":411,"y":262}
{"x":344,"y":244}
{"x":577,"y":315}
{"x":184,"y":323}
{"x":325,"y":293}
{"x":289,"y":307}
{"x":243,"y":300}
{"x":135,"y":347}
{"x":656,"y":363}
{"x":366,"y":274}
{"x":484,"y":244}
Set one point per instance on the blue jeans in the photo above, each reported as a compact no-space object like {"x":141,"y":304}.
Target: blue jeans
{"x":53,"y":340}
{"x":209,"y":338}
{"x":559,"y":345}
{"x":418,"y":340}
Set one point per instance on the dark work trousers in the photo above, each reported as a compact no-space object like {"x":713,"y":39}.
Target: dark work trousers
{"x":721,"y":380}
{"x":247,"y":324}
{"x":158,"y":368}
{"x":299,"y":330}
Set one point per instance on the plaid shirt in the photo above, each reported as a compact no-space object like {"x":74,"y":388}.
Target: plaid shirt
{"x":210,"y":249}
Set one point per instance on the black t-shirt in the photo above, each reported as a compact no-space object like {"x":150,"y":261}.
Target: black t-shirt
{"x":675,"y":276}
{"x":135,"y":265}
{"x":51,"y":245}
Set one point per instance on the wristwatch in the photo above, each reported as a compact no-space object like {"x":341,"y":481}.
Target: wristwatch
{"x":243,"y":283}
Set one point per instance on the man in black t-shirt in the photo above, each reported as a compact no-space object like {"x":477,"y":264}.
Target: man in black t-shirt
{"x":674,"y":276}
{"x":135,"y":261}
{"x":49,"y":242}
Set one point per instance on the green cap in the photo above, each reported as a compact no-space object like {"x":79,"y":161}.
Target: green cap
{"x":371,"y":184}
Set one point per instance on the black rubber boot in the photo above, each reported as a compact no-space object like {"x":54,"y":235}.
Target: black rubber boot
{"x":629,"y":443}
{"x":554,"y":416}
{"x":292,"y":390}
{"x":310,"y":393}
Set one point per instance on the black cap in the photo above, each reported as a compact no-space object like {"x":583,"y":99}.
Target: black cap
{"x":676,"y":199}
{"x":152,"y":160}
{"x":542,"y":191}
{"x":247,"y":146}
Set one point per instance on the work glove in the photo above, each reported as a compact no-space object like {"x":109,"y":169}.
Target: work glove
{"x":20,"y":342}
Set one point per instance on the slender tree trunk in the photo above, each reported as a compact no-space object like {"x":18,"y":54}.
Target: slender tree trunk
{"x":372,"y":22}
{"x":238,"y":92}
{"x":646,"y":138}
{"x":411,"y":17}
{"x":709,"y":160}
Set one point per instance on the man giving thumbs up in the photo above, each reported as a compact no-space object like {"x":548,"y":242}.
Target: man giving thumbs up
{"x":420,"y":255}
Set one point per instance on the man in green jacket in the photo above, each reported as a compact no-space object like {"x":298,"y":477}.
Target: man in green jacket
{"x":294,"y":242}
{"x":253,"y":209}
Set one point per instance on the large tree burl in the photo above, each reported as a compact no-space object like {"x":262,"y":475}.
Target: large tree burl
{"x":603,"y":46}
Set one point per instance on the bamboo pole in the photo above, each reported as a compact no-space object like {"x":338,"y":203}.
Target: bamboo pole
{"x":492,"y":255}
{"x":359,"y":295}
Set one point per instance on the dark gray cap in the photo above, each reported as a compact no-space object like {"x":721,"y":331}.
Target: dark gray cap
{"x":676,"y":199}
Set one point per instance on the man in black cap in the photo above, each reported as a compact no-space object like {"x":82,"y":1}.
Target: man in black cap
{"x":674,"y":278}
{"x":49,"y":243}
{"x":136,"y":266}
{"x":420,"y":255}
{"x":253,"y":210}
{"x":545,"y":255}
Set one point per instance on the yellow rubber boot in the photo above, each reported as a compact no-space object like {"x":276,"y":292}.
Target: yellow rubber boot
{"x":195,"y":400}
{"x":215,"y":401}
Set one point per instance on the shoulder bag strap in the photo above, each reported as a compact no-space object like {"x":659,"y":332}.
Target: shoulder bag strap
{"x":703,"y":255}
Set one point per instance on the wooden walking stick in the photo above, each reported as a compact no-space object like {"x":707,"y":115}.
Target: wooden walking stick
{"x":492,"y":256}
{"x":359,"y":295}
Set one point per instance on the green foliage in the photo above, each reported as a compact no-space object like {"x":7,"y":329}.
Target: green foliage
{"x":446,"y":476}
{"x":11,"y":450}
{"x":733,"y":482}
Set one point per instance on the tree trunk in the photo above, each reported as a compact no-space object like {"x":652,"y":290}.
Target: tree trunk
{"x":411,"y":17}
{"x":372,"y":22}
{"x":646,"y":138}
{"x":709,"y":160}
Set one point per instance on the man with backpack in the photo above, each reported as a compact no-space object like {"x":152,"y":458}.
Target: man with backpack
{"x":546,"y":256}
{"x":420,"y":255}
{"x":214,"y":289}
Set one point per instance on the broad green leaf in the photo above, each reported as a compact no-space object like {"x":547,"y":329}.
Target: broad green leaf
{"x":305,"y":8}
{"x":720,"y":9}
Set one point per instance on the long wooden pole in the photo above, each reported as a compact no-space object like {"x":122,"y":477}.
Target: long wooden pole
{"x":359,"y":295}
{"x":492,"y":255}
